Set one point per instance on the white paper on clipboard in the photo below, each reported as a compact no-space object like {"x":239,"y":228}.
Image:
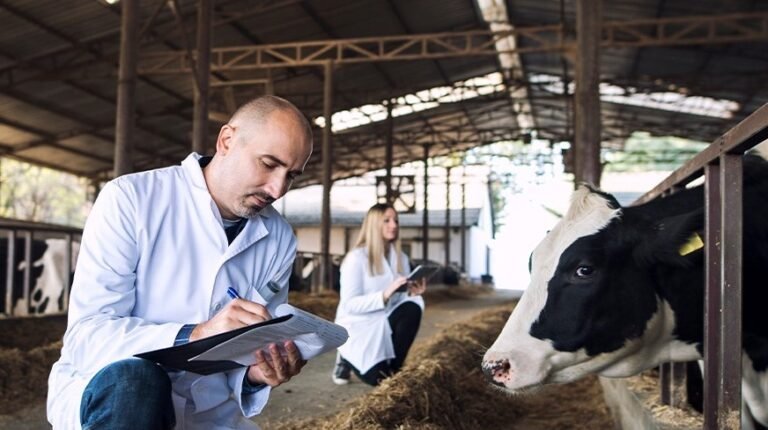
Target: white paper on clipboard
{"x":313,"y":336}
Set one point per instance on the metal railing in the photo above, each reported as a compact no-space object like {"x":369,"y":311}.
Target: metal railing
{"x":22,"y":264}
{"x":721,"y":164}
{"x":25,"y":245}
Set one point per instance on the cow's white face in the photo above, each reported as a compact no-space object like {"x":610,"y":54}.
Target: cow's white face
{"x":558,"y":331}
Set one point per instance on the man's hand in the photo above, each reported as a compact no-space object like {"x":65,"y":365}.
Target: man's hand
{"x":237,"y":313}
{"x":277,"y":365}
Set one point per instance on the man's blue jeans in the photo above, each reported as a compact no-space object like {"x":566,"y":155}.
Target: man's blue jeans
{"x":126,"y":395}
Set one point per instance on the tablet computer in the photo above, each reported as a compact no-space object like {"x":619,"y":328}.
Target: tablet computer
{"x":423,"y":271}
{"x":419,"y":272}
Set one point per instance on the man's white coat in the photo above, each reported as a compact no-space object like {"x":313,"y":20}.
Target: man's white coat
{"x":154,"y":256}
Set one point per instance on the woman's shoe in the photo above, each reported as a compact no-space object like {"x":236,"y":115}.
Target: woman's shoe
{"x":341,"y":371}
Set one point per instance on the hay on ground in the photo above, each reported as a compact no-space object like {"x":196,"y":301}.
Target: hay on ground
{"x":441,"y":387}
{"x":324,"y":303}
{"x":24,"y":375}
{"x":647,"y":389}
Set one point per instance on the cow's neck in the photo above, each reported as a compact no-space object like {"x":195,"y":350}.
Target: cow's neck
{"x":683,"y":290}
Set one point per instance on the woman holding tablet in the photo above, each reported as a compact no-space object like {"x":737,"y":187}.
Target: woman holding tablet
{"x":382,"y":322}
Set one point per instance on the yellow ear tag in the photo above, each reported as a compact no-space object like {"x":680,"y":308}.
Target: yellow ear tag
{"x":693,"y":244}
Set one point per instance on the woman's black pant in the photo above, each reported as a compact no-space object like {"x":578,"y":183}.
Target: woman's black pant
{"x":404,"y":321}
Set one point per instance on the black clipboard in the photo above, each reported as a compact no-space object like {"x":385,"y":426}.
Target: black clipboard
{"x":178,"y":357}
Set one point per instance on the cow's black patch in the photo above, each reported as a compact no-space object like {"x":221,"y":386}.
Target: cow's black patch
{"x":595,"y":300}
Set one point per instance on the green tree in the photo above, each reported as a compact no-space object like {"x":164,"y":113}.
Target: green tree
{"x":39,"y":194}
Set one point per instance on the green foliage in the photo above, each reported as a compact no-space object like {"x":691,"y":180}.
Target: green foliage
{"x":643,"y":152}
{"x":498,"y":203}
{"x":34,"y":193}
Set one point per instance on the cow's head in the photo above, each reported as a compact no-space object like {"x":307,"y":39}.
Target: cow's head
{"x":592,"y":306}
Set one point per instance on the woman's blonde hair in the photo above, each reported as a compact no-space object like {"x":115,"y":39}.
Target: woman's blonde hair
{"x":371,"y":239}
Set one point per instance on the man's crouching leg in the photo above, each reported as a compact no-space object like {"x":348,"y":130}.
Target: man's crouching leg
{"x":128,"y":394}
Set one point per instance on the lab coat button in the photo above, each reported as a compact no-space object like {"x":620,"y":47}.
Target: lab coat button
{"x":217,"y":307}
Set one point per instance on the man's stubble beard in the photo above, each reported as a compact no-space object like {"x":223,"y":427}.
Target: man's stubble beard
{"x":243,"y":210}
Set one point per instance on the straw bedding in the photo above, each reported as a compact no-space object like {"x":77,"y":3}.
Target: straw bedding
{"x":441,"y":387}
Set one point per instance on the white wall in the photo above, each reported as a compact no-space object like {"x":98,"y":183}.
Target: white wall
{"x":476,"y":244}
{"x":477,"y":253}
{"x":309,"y":240}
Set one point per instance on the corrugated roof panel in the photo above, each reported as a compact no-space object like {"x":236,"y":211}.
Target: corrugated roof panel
{"x":36,"y":117}
{"x":71,"y":160}
{"x":344,"y":19}
{"x":90,"y":144}
{"x":69,"y":101}
{"x":10,"y":136}
{"x":271,"y":27}
{"x":426,"y":16}
{"x":71,"y":19}
{"x":20,"y":37}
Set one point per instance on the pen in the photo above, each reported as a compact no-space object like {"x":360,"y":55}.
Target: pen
{"x":233,"y":293}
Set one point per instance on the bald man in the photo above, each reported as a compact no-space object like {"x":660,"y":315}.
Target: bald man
{"x":158,"y":253}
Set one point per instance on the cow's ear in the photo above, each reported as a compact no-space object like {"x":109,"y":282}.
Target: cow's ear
{"x":662,"y":244}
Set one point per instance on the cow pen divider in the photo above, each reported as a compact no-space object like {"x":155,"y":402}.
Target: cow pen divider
{"x":721,"y":164}
{"x":305,"y":265}
{"x":29,"y":231}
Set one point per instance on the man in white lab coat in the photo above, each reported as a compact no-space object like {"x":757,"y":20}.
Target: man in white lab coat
{"x":159,"y":250}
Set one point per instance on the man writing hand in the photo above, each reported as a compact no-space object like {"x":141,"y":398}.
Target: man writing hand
{"x":275,"y":366}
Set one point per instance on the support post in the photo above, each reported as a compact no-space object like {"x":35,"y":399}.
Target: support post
{"x":447,"y":235}
{"x":587,"y":93}
{"x":731,"y":191}
{"x":388,"y":151}
{"x":325,"y":233}
{"x":712,"y":299}
{"x":464,"y":218}
{"x":126,"y":88}
{"x":202,"y":75}
{"x":425,"y":212}
{"x":10,"y":274}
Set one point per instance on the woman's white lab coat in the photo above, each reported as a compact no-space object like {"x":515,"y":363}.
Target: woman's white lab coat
{"x":362,"y":310}
{"x":154,"y":256}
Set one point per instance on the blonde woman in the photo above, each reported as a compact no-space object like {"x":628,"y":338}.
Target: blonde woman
{"x":382,"y":322}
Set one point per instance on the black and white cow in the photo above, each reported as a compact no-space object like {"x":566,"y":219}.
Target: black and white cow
{"x":48,"y":276}
{"x":611,"y":294}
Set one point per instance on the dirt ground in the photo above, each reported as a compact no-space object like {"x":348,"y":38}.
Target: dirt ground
{"x":29,"y":347}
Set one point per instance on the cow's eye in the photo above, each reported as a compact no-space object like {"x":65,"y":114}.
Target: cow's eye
{"x":584,"y":272}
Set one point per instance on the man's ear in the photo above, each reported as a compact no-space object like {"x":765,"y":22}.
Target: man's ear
{"x":665,"y":238}
{"x":225,"y":140}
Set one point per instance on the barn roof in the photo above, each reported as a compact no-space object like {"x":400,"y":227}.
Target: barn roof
{"x":58,"y":62}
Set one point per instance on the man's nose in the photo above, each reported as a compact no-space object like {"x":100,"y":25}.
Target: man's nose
{"x":276,"y":187}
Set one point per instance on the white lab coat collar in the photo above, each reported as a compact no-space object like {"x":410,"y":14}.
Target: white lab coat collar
{"x":254,"y":228}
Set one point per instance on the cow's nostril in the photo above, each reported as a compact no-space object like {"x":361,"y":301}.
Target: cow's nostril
{"x":497,"y":371}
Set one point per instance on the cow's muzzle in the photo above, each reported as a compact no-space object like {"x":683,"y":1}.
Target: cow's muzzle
{"x":498,"y":372}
